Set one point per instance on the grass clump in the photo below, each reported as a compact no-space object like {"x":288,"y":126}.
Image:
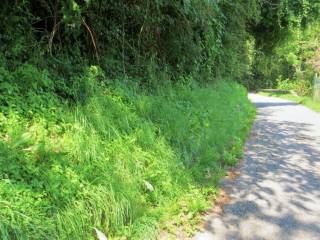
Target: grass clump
{"x":120,"y":161}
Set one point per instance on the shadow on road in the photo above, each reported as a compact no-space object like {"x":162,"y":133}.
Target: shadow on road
{"x":275,"y":104}
{"x":278,"y":192}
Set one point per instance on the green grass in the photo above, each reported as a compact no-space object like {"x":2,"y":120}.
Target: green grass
{"x":67,"y":168}
{"x":304,"y":100}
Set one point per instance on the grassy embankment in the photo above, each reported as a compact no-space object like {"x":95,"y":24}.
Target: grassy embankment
{"x":122,"y":161}
{"x":304,"y":100}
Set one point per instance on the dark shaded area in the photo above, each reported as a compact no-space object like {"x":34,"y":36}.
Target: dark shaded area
{"x":275,"y":104}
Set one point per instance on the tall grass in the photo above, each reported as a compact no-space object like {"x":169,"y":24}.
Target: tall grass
{"x":121,"y":162}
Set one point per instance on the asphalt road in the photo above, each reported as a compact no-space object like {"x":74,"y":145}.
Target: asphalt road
{"x":277,"y":195}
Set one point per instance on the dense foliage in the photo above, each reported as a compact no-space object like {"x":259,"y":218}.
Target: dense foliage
{"x":256,"y":42}
{"x":134,"y":38}
{"x":121,"y":115}
{"x":287,"y":45}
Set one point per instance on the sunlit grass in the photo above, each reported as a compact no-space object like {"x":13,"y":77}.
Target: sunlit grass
{"x":126,"y":164}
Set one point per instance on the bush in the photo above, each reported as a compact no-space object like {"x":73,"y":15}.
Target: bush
{"x":303,"y":88}
{"x":285,"y":84}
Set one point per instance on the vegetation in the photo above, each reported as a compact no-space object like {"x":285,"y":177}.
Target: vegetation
{"x":121,"y":115}
{"x":287,"y":46}
{"x":120,"y":162}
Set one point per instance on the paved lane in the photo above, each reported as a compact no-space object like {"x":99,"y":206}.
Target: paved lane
{"x":277,"y":195}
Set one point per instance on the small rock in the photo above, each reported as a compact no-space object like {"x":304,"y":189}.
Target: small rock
{"x":148,"y":186}
{"x":100,"y":235}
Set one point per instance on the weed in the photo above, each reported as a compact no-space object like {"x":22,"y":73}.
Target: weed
{"x":66,"y":169}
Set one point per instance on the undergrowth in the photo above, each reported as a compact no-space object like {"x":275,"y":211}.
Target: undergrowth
{"x":145,"y":133}
{"x":122,"y":161}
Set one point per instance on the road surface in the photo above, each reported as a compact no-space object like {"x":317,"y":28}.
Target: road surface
{"x":277,"y":195}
